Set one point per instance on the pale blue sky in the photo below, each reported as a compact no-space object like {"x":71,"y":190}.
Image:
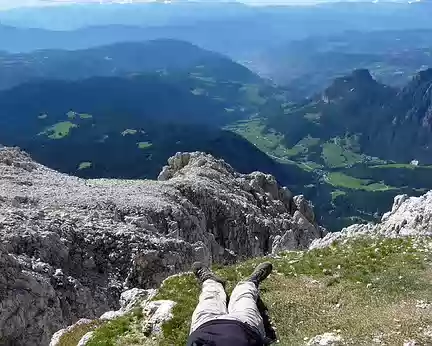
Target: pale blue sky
{"x":18,"y":3}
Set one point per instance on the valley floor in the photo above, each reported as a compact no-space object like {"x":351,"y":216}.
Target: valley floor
{"x":367,"y":291}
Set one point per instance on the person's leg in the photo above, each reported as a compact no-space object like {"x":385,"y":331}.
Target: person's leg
{"x":212,"y":304}
{"x":243,"y":306}
{"x":212,"y":301}
{"x":243,"y":302}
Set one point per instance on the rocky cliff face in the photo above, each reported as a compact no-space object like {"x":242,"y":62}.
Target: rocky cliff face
{"x":69,"y":247}
{"x":408,"y":217}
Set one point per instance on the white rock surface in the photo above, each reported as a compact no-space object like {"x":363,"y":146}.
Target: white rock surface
{"x":69,"y":246}
{"x":408,"y":217}
{"x":326,"y":339}
{"x":157,"y":313}
{"x":85,"y":339}
{"x":427,"y":333}
{"x":411,"y":343}
{"x":128,"y":300}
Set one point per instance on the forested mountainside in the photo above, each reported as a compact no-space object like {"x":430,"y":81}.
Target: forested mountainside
{"x":126,"y":127}
{"x":363,"y":141}
{"x":374,"y":118}
{"x":120,"y":59}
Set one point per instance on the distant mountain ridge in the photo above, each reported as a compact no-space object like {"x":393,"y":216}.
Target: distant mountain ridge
{"x":239,"y":31}
{"x":311,"y":64}
{"x":120,"y":59}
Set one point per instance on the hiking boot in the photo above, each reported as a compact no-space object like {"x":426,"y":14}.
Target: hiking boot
{"x":261,"y":273}
{"x":204,"y":273}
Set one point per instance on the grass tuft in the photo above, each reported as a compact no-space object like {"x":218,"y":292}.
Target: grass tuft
{"x":111,"y":332}
{"x":74,"y":336}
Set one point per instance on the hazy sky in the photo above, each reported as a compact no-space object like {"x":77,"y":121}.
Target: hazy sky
{"x":4,"y":4}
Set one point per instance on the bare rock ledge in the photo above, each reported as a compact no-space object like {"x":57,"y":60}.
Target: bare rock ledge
{"x":70,"y":247}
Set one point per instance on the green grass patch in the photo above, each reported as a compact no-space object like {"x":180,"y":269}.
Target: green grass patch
{"x":400,"y":166}
{"x":303,"y":146}
{"x":359,"y":288}
{"x":309,"y":166}
{"x":84,"y":165}
{"x":59,"y":130}
{"x":269,"y":142}
{"x":184,"y":290}
{"x":144,"y":145}
{"x":74,"y":336}
{"x":338,"y":179}
{"x":125,"y":327}
{"x":336,"y":156}
{"x":337,"y":193}
{"x":129,"y":132}
{"x":273,"y":143}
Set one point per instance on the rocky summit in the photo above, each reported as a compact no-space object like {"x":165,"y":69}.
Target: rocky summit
{"x":409,"y":217}
{"x":70,"y":247}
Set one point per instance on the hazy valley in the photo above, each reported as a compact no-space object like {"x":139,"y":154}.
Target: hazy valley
{"x":332,"y":103}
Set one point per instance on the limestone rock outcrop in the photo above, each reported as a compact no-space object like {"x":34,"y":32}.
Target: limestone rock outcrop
{"x":410,"y":216}
{"x":70,"y":247}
